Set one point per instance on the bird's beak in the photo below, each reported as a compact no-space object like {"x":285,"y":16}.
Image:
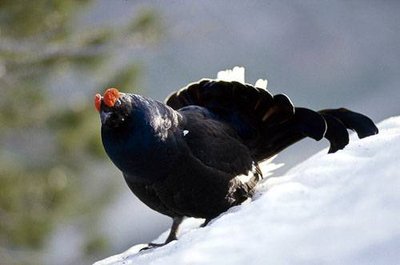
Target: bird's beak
{"x":104,"y":116}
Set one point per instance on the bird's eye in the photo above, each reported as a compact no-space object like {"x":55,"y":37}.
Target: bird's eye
{"x":117,"y":103}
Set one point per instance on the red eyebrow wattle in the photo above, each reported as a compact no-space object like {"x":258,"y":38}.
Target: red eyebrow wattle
{"x":111,"y":96}
{"x":97,"y":101}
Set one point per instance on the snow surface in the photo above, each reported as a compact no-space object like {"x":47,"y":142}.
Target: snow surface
{"x":341,"y":208}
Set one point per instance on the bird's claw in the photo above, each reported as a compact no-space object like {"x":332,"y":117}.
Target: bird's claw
{"x":152,"y":246}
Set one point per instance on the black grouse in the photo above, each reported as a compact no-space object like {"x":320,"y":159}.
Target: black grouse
{"x":187,"y":157}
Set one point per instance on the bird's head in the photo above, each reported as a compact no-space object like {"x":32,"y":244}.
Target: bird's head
{"x":114,"y":107}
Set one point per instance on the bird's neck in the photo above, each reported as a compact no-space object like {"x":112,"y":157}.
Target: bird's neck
{"x":147,"y":139}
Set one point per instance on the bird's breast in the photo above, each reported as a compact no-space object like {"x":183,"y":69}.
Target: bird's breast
{"x":143,"y":157}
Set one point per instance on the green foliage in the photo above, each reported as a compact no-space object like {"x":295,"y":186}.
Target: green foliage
{"x":29,"y":18}
{"x":48,"y":147}
{"x":27,"y":200}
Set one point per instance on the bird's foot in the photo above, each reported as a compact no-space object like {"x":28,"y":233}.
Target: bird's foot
{"x":205,"y":223}
{"x":171,"y":237}
{"x":153,"y":246}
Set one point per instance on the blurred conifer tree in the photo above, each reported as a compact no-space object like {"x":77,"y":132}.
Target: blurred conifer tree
{"x":47,"y":149}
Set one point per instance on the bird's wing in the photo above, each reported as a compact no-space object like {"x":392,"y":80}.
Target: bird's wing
{"x":268,"y":123}
{"x":214,"y":143}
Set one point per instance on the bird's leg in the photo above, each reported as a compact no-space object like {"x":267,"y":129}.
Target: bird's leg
{"x":172,"y":234}
{"x":174,"y":229}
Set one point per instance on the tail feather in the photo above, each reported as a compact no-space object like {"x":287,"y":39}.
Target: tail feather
{"x":280,"y":110}
{"x":268,"y":124}
{"x":332,"y":124}
{"x":357,"y":122}
{"x":336,"y":133}
{"x":278,"y":136}
{"x":310,"y":123}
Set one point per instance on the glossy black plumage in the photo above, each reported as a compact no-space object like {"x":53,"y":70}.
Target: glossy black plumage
{"x":191,"y":156}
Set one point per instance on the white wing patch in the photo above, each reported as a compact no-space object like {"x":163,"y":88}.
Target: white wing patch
{"x":185,"y":132}
{"x":267,"y":168}
{"x":250,"y":175}
{"x":245,"y":178}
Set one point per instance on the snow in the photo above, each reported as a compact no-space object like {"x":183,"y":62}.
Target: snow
{"x":341,"y":208}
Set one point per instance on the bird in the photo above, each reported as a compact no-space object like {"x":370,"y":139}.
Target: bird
{"x":198,"y":153}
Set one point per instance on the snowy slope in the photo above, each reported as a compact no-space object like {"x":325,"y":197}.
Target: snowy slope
{"x":342,"y":208}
